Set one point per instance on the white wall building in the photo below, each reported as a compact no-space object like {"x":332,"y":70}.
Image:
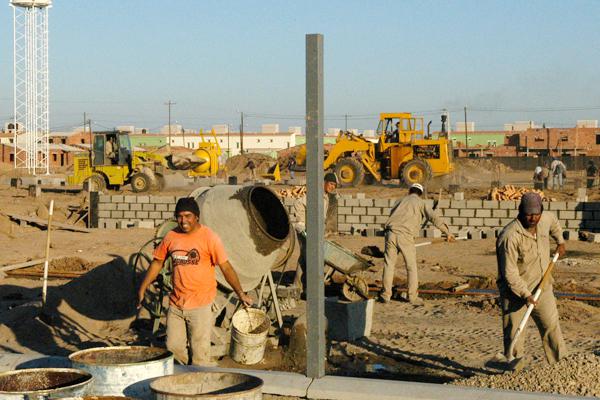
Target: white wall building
{"x":587,"y":123}
{"x":460,"y":126}
{"x":266,"y":143}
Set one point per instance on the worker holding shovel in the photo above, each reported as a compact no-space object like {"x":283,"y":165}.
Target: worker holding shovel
{"x":401,"y":228}
{"x":523,"y":254}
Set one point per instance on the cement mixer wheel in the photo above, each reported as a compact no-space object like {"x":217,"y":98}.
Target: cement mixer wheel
{"x":140,"y":182}
{"x":355,"y":288}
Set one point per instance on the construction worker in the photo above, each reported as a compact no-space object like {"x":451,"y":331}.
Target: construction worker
{"x":195,"y":250}
{"x":559,"y":173}
{"x":591,"y":172}
{"x":402,"y":226}
{"x":109,"y":151}
{"x":251,"y":165}
{"x":523,"y":254}
{"x":330,"y":183}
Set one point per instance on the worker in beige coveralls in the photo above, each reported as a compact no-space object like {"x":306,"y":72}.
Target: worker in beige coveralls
{"x":401,"y":228}
{"x":523,"y":253}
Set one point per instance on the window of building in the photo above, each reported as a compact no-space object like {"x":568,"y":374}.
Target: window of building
{"x":12,"y":158}
{"x":271,"y":140}
{"x":597,"y":138}
{"x":237,"y":145}
{"x":257,"y":140}
{"x":54,"y":157}
{"x":82,"y":141}
{"x":63,"y":141}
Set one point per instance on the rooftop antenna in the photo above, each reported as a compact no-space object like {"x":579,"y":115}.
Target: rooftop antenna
{"x":31,"y":127}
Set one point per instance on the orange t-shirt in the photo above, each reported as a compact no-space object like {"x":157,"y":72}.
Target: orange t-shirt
{"x":194,"y":258}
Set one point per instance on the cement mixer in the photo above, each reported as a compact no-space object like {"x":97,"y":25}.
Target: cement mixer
{"x":257,"y":235}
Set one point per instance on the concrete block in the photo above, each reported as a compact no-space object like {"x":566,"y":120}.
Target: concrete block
{"x":443,"y":203}
{"x":157,"y":222}
{"x":381,"y":203}
{"x":570,"y":234}
{"x":103,"y":214}
{"x":141,"y":214}
{"x":513,"y":213}
{"x":474,"y":204}
{"x":125,"y":224}
{"x":466,"y":212}
{"x":172,"y":207}
{"x":351,"y":219}
{"x":373,"y":211}
{"x":365,"y":202}
{"x":341,"y":219}
{"x":594,"y":238}
{"x":459,"y":196}
{"x":386,"y":211}
{"x":145,"y":224}
{"x":117,"y":198}
{"x":488,"y":233}
{"x":574,"y":205}
{"x":135,"y":207}
{"x":155,"y":215}
{"x":104,"y":198}
{"x":508,"y":204}
{"x":573,"y":224}
{"x":491,"y":222}
{"x":393,"y":202}
{"x":348,"y":321}
{"x":490,"y":204}
{"x":359,"y":211}
{"x":130,"y":199}
{"x":459,"y":221}
{"x":143,"y":199}
{"x":148,"y":207}
{"x":463,"y":232}
{"x":381,"y":219}
{"x":454,"y":230}
{"x":369,"y":232}
{"x":433,"y":233}
{"x":475,"y":234}
{"x":367,"y":219}
{"x":123,"y":206}
{"x":581,"y":192}
{"x":107,"y":206}
{"x":505,"y":221}
{"x":484,"y":213}
{"x":166,"y":214}
{"x":566,"y":214}
{"x":129,"y":214}
{"x":344,"y":227}
{"x":451,"y":212}
{"x":498,"y":213}
{"x":116,"y":214}
{"x":352,"y":203}
{"x":458,"y":204}
{"x":162,"y":199}
{"x":557,"y":205}
{"x":476,"y":222}
{"x":345,"y":196}
{"x":109,"y":224}
{"x":583,"y":199}
{"x":161,"y":207}
{"x":360,"y":196}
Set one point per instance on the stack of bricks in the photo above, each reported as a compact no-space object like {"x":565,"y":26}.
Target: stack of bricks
{"x":123,"y":211}
{"x":360,"y":214}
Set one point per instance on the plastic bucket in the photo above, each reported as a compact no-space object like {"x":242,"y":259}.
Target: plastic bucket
{"x":249,"y":329}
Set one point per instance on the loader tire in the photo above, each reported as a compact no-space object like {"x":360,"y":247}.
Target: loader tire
{"x":415,"y":171}
{"x":140,"y":182}
{"x":94,"y":183}
{"x":350,"y":172}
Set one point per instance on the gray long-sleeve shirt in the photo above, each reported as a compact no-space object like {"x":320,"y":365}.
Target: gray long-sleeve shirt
{"x":408,"y":215}
{"x":523,"y":257}
{"x":300,"y":212}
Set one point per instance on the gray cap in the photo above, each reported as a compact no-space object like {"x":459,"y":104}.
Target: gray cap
{"x":531,"y":203}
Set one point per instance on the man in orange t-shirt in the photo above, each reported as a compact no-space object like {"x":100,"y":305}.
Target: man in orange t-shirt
{"x":195,"y":251}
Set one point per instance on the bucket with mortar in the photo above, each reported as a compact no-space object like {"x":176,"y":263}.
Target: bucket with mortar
{"x":124,"y":370}
{"x":44,"y":383}
{"x":208,"y":386}
{"x":249,"y":329}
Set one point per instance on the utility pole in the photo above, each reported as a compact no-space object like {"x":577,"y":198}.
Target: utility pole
{"x":85,"y":123}
{"x":169,"y":104}
{"x":466,"y":137}
{"x":242,"y":133}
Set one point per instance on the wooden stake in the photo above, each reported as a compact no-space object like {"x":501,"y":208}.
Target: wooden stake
{"x":45,"y":285}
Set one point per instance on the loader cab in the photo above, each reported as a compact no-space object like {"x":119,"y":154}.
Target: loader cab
{"x":395,"y":128}
{"x":111,"y":148}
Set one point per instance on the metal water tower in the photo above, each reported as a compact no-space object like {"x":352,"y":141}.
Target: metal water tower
{"x":30,"y":21}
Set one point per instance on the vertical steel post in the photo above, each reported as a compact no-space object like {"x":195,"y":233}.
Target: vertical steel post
{"x":315,"y":291}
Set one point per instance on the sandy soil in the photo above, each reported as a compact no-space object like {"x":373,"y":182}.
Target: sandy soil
{"x":447,"y":339}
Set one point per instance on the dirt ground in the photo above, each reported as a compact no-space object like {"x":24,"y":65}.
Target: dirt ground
{"x":448,"y":339}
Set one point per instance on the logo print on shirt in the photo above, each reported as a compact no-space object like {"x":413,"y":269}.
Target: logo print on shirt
{"x":190,"y":257}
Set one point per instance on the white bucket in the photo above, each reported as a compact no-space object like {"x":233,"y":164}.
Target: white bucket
{"x":249,"y":329}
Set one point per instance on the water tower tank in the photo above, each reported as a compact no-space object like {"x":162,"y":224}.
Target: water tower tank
{"x":31,"y":3}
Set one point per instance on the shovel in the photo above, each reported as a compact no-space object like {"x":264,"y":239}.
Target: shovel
{"x":510,"y":358}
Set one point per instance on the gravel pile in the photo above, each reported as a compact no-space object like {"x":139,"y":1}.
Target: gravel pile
{"x":577,"y":374}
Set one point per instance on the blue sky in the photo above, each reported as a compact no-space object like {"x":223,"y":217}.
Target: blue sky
{"x":120,"y":61}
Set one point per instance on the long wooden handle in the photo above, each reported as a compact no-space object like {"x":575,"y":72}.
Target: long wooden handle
{"x":548,"y":272}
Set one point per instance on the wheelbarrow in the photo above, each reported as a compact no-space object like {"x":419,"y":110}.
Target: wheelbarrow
{"x":342,"y":260}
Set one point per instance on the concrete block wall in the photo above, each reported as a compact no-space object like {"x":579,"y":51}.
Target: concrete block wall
{"x":124,"y":211}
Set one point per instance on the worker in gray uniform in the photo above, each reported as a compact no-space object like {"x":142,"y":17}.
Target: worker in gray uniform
{"x":523,"y":254}
{"x":330,"y":183}
{"x":402,"y":226}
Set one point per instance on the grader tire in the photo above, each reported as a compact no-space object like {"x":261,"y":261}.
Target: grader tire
{"x":94,"y":183}
{"x":140,"y":183}
{"x":349,"y":172}
{"x":415,"y":171}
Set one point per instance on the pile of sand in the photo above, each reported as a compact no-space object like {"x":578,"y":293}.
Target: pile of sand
{"x":481,"y":165}
{"x":577,"y":374}
{"x":236,"y":165}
